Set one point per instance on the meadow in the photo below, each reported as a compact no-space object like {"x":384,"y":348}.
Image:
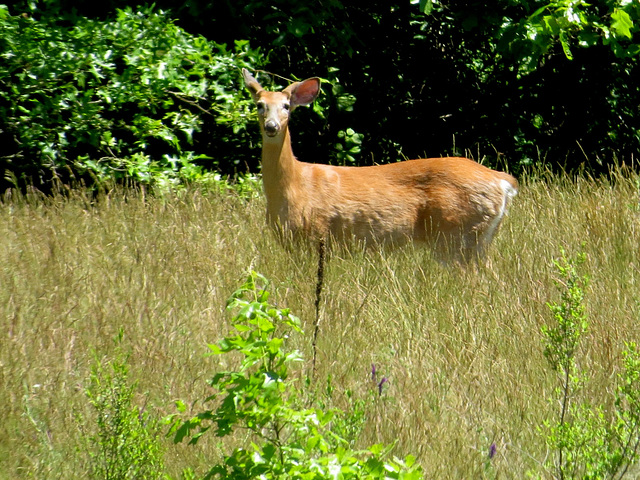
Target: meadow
{"x":87,"y":277}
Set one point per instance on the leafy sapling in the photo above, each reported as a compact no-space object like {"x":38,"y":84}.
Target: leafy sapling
{"x":262,"y":397}
{"x":588,"y":442}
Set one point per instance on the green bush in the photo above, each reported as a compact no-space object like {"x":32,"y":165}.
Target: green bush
{"x":528,"y":81}
{"x":589,"y":441}
{"x":123,"y":444}
{"x":134,"y":96}
{"x":263,"y":398}
{"x":521,"y":82}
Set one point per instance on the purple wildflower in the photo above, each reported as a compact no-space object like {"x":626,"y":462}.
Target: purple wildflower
{"x":492,"y":450}
{"x":382,"y":382}
{"x":373,"y":372}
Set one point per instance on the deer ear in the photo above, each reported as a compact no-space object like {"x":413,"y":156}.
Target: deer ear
{"x":251,"y":83}
{"x":305,"y":92}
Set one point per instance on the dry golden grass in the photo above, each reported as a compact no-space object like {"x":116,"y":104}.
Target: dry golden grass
{"x":462,"y":348}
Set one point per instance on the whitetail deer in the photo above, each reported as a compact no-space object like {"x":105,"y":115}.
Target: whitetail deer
{"x":453,"y":203}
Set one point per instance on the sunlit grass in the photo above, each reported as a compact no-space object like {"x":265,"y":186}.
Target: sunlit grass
{"x":462,"y":349}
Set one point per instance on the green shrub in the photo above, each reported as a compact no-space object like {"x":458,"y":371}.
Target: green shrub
{"x":125,"y":443}
{"x":261,"y":397}
{"x":130,"y":97}
{"x":588,"y":441}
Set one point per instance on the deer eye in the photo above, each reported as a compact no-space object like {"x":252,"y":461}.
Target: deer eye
{"x":286,"y":106}
{"x":261,"y":107}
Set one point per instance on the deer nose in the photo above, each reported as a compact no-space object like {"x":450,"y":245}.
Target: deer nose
{"x":271,"y":128}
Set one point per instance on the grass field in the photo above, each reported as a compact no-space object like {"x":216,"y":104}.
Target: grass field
{"x":462,"y":349}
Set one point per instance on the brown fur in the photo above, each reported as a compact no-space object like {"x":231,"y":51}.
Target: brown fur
{"x":453,"y":203}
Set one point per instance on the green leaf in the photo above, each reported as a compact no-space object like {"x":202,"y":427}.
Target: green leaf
{"x":622,"y":23}
{"x":274,"y":345}
{"x":180,"y":406}
{"x":566,"y":48}
{"x":551,"y":23}
{"x":426,"y":6}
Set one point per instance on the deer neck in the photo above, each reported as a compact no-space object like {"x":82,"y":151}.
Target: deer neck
{"x":280,"y":170}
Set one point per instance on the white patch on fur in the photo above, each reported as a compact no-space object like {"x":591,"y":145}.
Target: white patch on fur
{"x":508,"y":192}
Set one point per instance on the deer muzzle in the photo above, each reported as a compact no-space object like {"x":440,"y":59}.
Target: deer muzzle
{"x":271,"y":128}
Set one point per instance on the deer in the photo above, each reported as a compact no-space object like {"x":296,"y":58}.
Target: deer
{"x":453,"y":204}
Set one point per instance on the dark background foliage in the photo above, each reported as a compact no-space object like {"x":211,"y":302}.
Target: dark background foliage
{"x":510,"y":82}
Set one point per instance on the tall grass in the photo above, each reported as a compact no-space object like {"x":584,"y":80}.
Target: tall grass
{"x":462,"y":349}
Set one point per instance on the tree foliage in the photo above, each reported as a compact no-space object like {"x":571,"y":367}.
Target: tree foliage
{"x":513,"y":81}
{"x":135,"y":97}
{"x":528,"y":80}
